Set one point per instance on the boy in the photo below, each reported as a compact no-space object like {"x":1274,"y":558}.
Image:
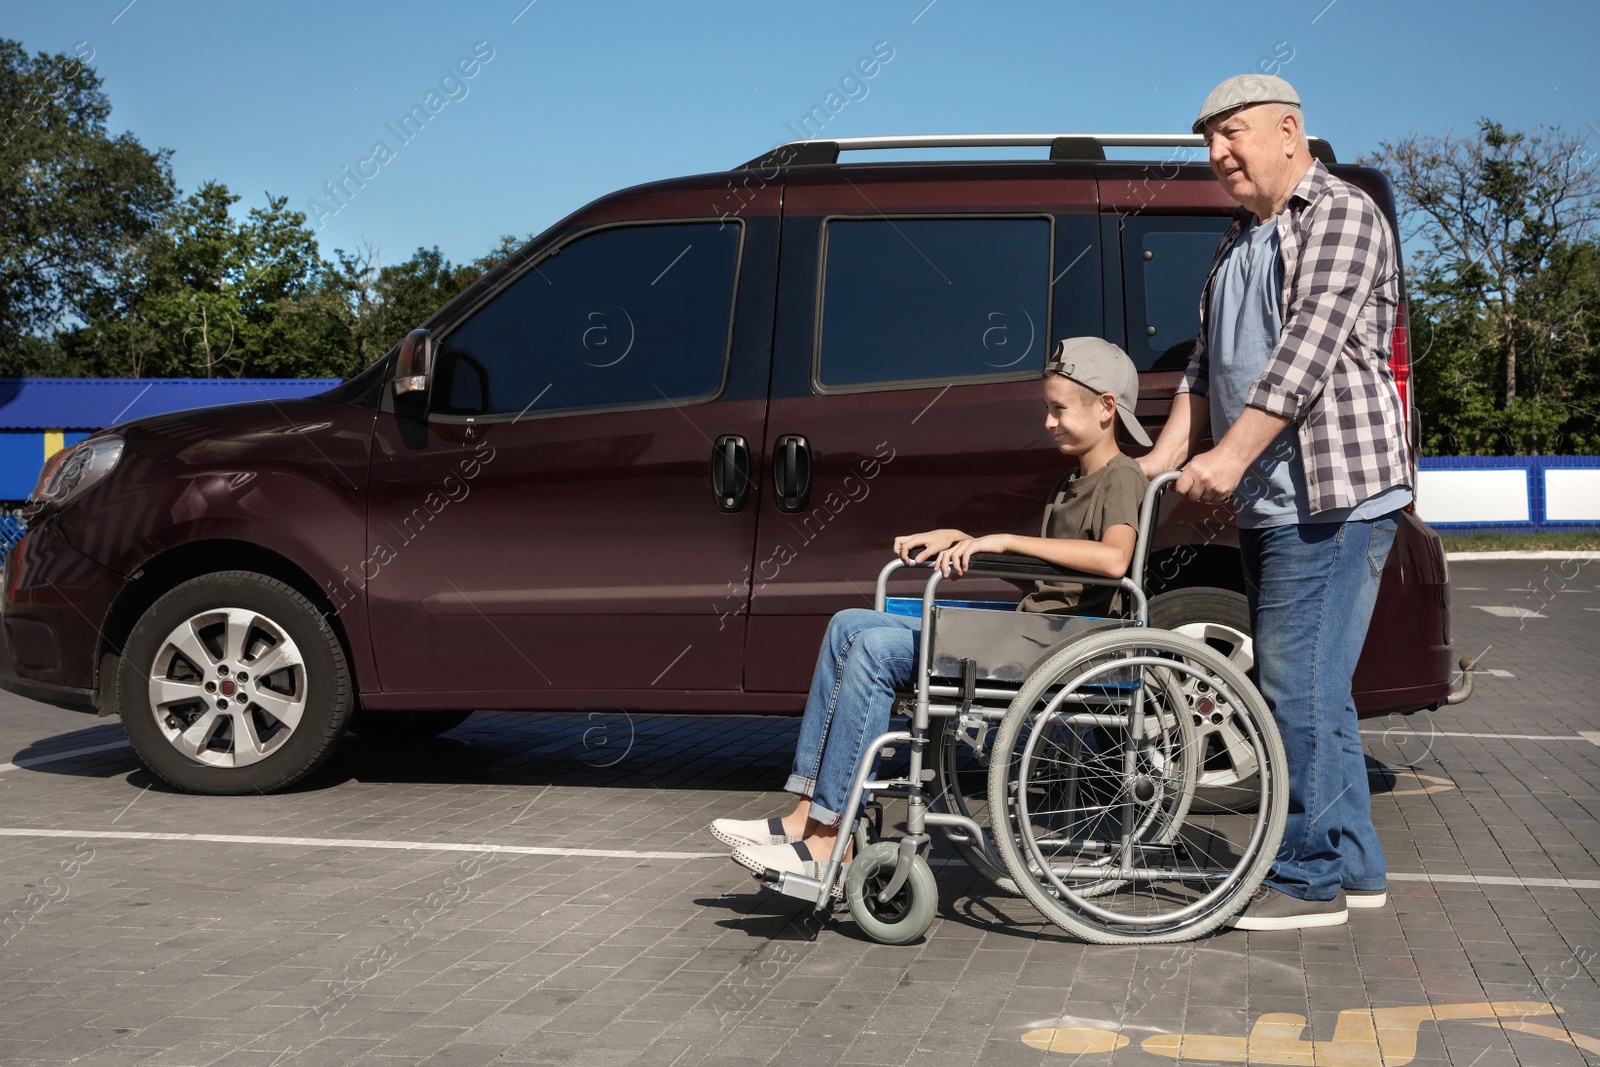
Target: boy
{"x":1090,"y":525}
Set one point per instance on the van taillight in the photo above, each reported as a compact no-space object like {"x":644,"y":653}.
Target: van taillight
{"x":1400,"y":361}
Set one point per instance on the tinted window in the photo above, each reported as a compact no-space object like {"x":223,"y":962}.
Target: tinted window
{"x":914,"y":300}
{"x":631,"y":315}
{"x":1167,"y":260}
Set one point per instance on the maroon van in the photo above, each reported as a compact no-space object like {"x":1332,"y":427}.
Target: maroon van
{"x":639,"y":464}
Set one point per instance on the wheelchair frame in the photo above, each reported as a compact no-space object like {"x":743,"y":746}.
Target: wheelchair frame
{"x":1148,"y":761}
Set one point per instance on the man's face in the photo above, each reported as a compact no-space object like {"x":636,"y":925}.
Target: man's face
{"x":1251,"y":155}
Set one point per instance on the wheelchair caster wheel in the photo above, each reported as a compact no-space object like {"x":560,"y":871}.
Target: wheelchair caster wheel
{"x":902,"y":918}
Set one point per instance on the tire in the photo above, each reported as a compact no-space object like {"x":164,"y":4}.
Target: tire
{"x":1219,"y":618}
{"x":1115,"y":856}
{"x":908,"y":914}
{"x":405,"y":726}
{"x":201,"y":644}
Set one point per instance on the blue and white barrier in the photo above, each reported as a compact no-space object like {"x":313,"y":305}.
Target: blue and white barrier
{"x":1510,"y":494}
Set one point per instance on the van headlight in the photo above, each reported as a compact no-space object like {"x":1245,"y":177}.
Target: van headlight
{"x":75,"y":469}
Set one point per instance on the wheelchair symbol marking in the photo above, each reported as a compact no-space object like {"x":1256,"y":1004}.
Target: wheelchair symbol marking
{"x":1425,"y":783}
{"x":1376,"y":1037}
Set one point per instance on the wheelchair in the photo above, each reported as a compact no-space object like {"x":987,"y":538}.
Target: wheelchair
{"x":1060,"y":756}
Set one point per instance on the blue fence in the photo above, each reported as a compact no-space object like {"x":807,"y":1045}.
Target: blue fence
{"x":1510,"y":494}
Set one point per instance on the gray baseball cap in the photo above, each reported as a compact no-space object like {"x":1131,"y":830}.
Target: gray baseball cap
{"x":1245,"y":90}
{"x":1105,"y":368}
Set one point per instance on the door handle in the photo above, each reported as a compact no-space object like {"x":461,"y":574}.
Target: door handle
{"x":791,"y":472}
{"x":730,"y":472}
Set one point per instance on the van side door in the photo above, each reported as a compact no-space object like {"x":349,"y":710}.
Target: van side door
{"x":549,"y":536}
{"x":912,"y":330}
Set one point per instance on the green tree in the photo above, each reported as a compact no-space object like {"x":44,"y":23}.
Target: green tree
{"x":105,"y":271}
{"x":206,"y":296}
{"x":1502,"y":226}
{"x":74,"y":201}
{"x":369,"y":307}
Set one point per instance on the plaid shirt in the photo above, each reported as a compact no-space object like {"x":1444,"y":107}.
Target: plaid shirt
{"x":1329,"y":373}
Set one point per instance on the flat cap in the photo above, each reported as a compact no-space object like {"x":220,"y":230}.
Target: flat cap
{"x":1245,"y":90}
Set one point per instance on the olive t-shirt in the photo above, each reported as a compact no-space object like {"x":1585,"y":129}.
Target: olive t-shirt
{"x":1084,"y":507}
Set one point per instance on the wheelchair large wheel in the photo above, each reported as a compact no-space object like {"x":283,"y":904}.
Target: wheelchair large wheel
{"x":1219,"y":618}
{"x":1096,"y":763}
{"x":1087,"y":784}
{"x":959,"y":757}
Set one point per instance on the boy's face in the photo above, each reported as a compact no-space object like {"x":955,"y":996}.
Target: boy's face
{"x":1075,"y":416}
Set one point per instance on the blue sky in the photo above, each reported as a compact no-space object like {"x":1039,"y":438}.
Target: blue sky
{"x":580,"y":99}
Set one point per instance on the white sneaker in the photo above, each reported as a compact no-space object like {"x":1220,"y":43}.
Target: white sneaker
{"x":794,"y":858}
{"x":737,"y":832}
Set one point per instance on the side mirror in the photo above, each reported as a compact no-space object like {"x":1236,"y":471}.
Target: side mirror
{"x":416,"y":360}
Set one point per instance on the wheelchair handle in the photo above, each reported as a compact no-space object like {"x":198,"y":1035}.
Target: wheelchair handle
{"x":1147,"y":524}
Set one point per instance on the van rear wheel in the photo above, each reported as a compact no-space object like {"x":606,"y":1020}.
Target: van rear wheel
{"x":234,"y":683}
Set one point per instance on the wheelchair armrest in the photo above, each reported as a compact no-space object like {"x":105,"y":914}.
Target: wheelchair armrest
{"x":992,"y":564}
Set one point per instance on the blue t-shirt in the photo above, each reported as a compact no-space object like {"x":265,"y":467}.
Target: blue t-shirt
{"x":1243,"y":327}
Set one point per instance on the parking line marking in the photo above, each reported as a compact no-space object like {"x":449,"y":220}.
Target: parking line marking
{"x":54,"y":756}
{"x":1510,"y":613}
{"x":1591,"y":736}
{"x":1496,"y":879}
{"x":1485,"y":737}
{"x":356,"y":842}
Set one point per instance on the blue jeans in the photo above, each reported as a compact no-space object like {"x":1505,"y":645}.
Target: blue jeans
{"x":1311,"y":589}
{"x":865,"y":656}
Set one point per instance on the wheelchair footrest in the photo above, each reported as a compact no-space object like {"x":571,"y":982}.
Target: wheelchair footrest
{"x":792,"y":885}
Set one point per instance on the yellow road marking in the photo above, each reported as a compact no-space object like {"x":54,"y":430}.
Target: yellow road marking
{"x":1376,"y":1037}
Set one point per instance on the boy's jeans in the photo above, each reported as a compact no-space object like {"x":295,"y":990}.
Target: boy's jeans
{"x":865,"y":656}
{"x":1311,"y":591}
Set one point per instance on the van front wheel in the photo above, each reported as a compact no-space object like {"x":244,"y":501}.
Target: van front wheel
{"x":234,"y":683}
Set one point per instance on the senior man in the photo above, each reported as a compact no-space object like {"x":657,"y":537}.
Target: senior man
{"x":1290,"y":375}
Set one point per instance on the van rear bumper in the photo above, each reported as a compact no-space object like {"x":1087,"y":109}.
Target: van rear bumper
{"x":1406,"y":663}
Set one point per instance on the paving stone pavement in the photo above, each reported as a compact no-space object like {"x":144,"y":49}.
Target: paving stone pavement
{"x":283,"y":950}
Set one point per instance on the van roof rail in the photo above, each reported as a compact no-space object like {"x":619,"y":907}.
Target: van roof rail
{"x":1063,"y":146}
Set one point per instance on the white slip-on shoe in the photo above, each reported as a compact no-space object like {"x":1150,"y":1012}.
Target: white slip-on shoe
{"x":737,"y":832}
{"x":793,"y":858}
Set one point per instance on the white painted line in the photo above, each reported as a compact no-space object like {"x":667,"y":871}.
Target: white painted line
{"x":1495,"y":672}
{"x":357,"y":842}
{"x":1547,"y":554}
{"x":1491,"y":879}
{"x":1485,"y":737}
{"x":1591,"y":736}
{"x":1510,"y":613}
{"x":55,"y":756}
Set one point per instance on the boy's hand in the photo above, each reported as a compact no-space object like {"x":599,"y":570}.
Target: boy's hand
{"x":954,"y":561}
{"x":929,"y":541}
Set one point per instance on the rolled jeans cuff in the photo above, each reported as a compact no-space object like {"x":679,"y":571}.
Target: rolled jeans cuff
{"x":807,"y":787}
